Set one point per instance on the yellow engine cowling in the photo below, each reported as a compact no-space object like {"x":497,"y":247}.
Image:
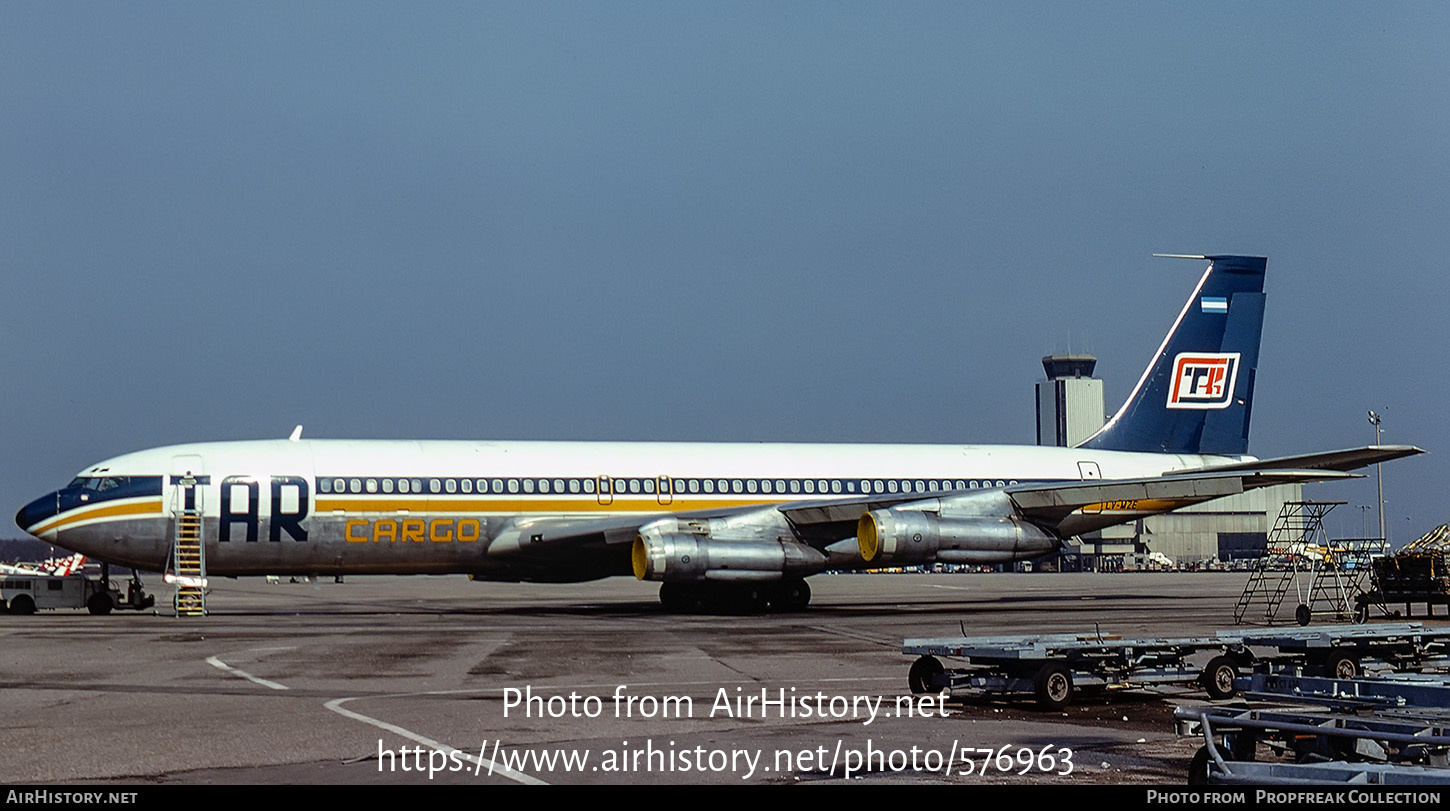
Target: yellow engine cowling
{"x":906,"y":537}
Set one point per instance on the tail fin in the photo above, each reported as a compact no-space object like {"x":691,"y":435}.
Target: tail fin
{"x":1196,"y":395}
{"x":65,"y":566}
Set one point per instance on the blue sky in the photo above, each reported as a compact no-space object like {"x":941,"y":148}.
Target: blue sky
{"x":727,"y":221}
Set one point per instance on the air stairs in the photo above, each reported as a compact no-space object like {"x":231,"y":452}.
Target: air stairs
{"x":187,"y":567}
{"x":1297,"y":537}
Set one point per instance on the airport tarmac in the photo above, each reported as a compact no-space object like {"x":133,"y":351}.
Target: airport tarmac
{"x":406,"y":680}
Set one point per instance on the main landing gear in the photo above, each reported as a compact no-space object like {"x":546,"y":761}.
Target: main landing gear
{"x":735,"y":598}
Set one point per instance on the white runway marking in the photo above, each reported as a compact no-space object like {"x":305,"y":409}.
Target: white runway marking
{"x":336,"y":706}
{"x":219,"y":664}
{"x":496,"y":768}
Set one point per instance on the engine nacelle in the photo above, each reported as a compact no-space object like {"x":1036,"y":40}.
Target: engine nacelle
{"x":906,"y":537}
{"x":678,"y":557}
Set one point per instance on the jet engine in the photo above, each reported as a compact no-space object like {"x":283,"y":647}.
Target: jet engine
{"x":907,"y":537}
{"x":685,"y":557}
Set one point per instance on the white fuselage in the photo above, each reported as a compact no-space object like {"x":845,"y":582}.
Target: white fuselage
{"x":333,"y":506}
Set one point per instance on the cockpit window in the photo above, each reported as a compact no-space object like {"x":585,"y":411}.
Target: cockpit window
{"x":122,"y":485}
{"x":99,"y":483}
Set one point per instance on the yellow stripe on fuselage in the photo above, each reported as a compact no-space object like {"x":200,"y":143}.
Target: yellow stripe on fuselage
{"x":125,"y":509}
{"x":527,"y":505}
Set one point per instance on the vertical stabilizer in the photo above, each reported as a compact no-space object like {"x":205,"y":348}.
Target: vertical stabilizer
{"x":1197,"y":393}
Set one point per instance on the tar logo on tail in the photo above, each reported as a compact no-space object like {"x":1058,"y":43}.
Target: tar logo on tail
{"x":1203,"y":380}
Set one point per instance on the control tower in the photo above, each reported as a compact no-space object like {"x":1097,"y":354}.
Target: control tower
{"x":1070,"y":401}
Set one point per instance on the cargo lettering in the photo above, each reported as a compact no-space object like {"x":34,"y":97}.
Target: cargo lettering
{"x":414,"y":530}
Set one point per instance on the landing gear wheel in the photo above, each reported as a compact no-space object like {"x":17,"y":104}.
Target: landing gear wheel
{"x":1053,"y":686}
{"x":1341,"y":664}
{"x":1361,"y":612}
{"x":923,"y":675}
{"x":790,"y":595}
{"x":717,"y":598}
{"x":1301,"y":614}
{"x":1218,"y":678}
{"x":751,"y":599}
{"x":678,"y":597}
{"x":22,"y":604}
{"x":100,"y":603}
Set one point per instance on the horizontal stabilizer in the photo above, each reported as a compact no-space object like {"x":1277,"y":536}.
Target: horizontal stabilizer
{"x":1072,"y":508}
{"x":1348,"y":459}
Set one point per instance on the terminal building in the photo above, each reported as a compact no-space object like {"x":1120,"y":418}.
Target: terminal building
{"x":1070,"y":409}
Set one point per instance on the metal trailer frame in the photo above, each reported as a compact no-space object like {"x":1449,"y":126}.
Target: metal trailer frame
{"x":1342,"y":651}
{"x":1390,"y":731}
{"x":1052,"y":667}
{"x":1384,"y":600}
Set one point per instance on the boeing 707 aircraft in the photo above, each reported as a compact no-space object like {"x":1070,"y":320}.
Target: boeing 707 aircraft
{"x":720,"y":525}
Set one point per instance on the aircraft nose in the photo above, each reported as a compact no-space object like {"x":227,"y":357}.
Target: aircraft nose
{"x":38,"y":510}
